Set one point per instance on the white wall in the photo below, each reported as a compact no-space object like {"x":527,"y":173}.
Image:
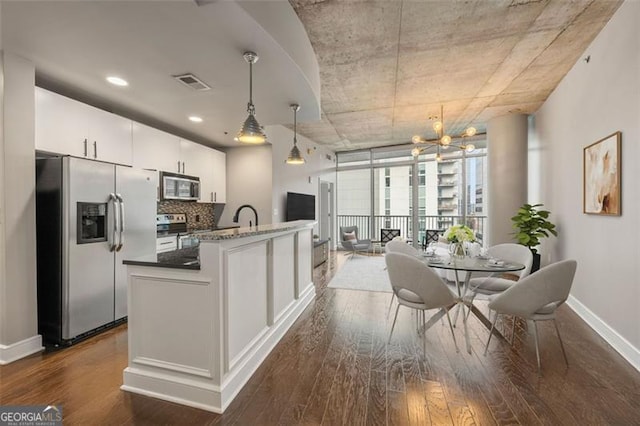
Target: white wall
{"x":303,"y":178}
{"x":258,"y":175}
{"x":2,"y":203}
{"x":18,"y":312}
{"x":594,"y":100}
{"x":249,"y":177}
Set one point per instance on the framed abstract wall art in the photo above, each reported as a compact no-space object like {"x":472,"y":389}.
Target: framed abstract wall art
{"x":601,"y":179}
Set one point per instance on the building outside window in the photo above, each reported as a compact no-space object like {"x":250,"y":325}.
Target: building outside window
{"x":375,"y":189}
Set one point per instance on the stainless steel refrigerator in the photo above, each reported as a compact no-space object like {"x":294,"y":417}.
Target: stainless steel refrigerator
{"x":90,"y":216}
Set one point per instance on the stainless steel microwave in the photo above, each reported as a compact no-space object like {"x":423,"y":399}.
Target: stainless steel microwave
{"x":179,"y":187}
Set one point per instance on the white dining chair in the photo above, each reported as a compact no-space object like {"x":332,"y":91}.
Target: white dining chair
{"x":508,"y":252}
{"x":418,"y":287}
{"x":399,"y":246}
{"x":489,"y":285}
{"x":536,"y":298}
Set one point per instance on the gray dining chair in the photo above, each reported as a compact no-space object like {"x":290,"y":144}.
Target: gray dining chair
{"x":353,"y":245}
{"x":536,"y":298}
{"x":489,"y":285}
{"x":397,"y":246}
{"x":508,"y":252}
{"x":418,"y":287}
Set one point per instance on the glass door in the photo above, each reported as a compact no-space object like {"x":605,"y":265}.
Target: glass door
{"x":354,"y":201}
{"x":393,"y":202}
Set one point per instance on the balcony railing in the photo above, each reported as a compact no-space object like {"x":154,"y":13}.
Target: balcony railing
{"x":404,"y":224}
{"x":447,"y":206}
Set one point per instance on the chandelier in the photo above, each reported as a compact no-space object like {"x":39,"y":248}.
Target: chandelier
{"x":443,"y":141}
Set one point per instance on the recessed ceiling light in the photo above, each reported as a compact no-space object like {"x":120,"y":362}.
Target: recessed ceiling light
{"x":195,"y":119}
{"x":117,"y":81}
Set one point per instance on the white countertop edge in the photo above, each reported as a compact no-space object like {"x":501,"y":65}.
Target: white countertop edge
{"x":229,"y":234}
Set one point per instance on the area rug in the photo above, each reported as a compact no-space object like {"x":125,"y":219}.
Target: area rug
{"x":362,"y":273}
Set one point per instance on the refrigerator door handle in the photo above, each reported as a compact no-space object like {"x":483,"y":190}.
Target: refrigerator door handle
{"x":116,"y":221}
{"x":121,"y":230}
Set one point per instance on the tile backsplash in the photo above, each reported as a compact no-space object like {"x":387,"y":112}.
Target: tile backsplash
{"x":199,"y":215}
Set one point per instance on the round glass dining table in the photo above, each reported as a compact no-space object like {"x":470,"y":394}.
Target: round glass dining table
{"x":469,"y":265}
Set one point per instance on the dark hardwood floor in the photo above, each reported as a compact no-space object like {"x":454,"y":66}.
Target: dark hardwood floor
{"x":334,"y":367}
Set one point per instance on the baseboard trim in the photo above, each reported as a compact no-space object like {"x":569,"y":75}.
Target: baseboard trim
{"x":167,"y":388}
{"x":21,"y":349}
{"x":612,"y":337}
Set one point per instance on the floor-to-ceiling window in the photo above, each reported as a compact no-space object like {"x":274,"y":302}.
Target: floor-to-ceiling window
{"x":392,"y":195}
{"x":353,"y":186}
{"x":388,"y":188}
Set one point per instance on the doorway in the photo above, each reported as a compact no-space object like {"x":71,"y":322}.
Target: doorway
{"x":326,"y":211}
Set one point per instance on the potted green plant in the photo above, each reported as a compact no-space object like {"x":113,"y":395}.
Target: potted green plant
{"x":531,"y":224}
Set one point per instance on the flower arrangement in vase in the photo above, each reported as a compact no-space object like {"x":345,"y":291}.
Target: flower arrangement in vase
{"x":458,"y":235}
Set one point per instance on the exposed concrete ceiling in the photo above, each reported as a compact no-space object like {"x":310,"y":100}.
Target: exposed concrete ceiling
{"x":385,"y":66}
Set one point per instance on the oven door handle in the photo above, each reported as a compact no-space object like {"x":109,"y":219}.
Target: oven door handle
{"x":114,"y":208}
{"x":121,"y":228}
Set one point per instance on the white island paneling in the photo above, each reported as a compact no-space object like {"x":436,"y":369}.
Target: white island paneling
{"x":197,"y":336}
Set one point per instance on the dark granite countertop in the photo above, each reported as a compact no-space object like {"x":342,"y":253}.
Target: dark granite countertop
{"x":186,"y":258}
{"x":232,"y":233}
{"x":317,"y":243}
{"x":161,"y":234}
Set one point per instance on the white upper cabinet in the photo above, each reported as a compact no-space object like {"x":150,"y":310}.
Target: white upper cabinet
{"x":155,"y":149}
{"x":110,"y":137}
{"x":68,"y":127}
{"x":219,"y":177}
{"x":198,"y":160}
{"x":62,"y":125}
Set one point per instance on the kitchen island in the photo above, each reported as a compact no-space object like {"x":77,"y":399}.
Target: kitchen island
{"x":200,"y":324}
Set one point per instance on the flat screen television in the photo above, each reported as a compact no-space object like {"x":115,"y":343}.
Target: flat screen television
{"x":300,"y":206}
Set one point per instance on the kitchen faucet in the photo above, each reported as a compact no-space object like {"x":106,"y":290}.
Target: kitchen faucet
{"x":235,"y":216}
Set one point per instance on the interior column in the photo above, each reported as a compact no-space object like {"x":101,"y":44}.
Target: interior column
{"x":507,"y":170}
{"x":18,"y":301}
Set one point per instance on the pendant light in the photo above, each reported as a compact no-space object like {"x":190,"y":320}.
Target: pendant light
{"x":294,"y":155}
{"x":251,"y":131}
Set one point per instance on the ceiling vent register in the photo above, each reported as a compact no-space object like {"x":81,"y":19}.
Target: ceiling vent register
{"x":193,"y":82}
